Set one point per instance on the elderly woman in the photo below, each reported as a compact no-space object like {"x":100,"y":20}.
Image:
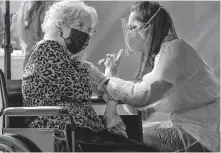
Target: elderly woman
{"x":172,"y":79}
{"x":58,"y":75}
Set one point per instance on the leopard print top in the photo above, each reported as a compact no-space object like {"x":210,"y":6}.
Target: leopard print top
{"x":51,"y":79}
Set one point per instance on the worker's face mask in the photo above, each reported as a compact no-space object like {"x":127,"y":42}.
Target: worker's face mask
{"x":134,"y":41}
{"x":76,"y":41}
{"x":134,"y":38}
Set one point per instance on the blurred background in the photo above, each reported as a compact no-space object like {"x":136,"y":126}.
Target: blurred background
{"x":197,"y":22}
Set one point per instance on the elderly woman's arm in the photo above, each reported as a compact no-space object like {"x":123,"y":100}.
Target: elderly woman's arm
{"x":96,"y":90}
{"x":95,"y":77}
{"x":111,"y":117}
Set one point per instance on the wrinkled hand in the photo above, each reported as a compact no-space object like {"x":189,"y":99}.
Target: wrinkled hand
{"x":111,"y":63}
{"x":112,"y":119}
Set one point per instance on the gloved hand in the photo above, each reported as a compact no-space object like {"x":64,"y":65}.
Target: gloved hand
{"x":111,"y":63}
{"x":112,"y":119}
{"x":95,"y":74}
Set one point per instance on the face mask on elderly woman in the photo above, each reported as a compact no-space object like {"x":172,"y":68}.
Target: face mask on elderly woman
{"x":76,"y":41}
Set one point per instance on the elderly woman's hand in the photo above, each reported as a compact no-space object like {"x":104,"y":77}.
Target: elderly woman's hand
{"x":112,"y":119}
{"x":111,"y":63}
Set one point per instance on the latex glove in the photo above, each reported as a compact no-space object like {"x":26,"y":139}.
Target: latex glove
{"x":111,"y":63}
{"x":108,"y":97}
{"x":96,"y":75}
{"x":113,"y":120}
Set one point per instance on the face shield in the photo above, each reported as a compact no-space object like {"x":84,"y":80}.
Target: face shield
{"x":134,"y":39}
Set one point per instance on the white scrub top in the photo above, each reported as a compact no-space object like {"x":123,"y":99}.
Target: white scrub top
{"x":193,"y":102}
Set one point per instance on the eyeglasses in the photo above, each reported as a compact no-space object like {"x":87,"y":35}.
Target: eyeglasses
{"x":85,"y":28}
{"x":133,"y":28}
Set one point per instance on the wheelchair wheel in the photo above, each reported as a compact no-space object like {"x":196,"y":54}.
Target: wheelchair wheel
{"x":10,"y":144}
{"x":5,"y":148}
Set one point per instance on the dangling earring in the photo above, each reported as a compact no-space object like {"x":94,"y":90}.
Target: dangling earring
{"x":60,"y":32}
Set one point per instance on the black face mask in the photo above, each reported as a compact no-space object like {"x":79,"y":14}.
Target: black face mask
{"x":77,"y":41}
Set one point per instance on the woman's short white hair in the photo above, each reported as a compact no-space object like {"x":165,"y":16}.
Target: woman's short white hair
{"x":65,"y":11}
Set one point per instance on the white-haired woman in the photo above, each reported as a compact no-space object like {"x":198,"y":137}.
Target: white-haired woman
{"x":57,"y":75}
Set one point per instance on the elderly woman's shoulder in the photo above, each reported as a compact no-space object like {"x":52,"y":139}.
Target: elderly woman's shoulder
{"x":49,"y":44}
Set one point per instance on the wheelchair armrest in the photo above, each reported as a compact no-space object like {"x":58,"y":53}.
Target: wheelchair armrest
{"x":98,"y":100}
{"x":35,"y":111}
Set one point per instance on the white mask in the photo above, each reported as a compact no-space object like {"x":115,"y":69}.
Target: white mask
{"x":134,"y":41}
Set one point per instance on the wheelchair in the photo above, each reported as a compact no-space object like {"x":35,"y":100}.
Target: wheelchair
{"x":16,"y":137}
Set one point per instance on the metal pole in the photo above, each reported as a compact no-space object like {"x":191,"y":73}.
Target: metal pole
{"x":141,"y":125}
{"x":8,"y":49}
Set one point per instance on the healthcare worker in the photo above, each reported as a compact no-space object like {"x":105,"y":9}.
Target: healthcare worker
{"x":179,"y":83}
